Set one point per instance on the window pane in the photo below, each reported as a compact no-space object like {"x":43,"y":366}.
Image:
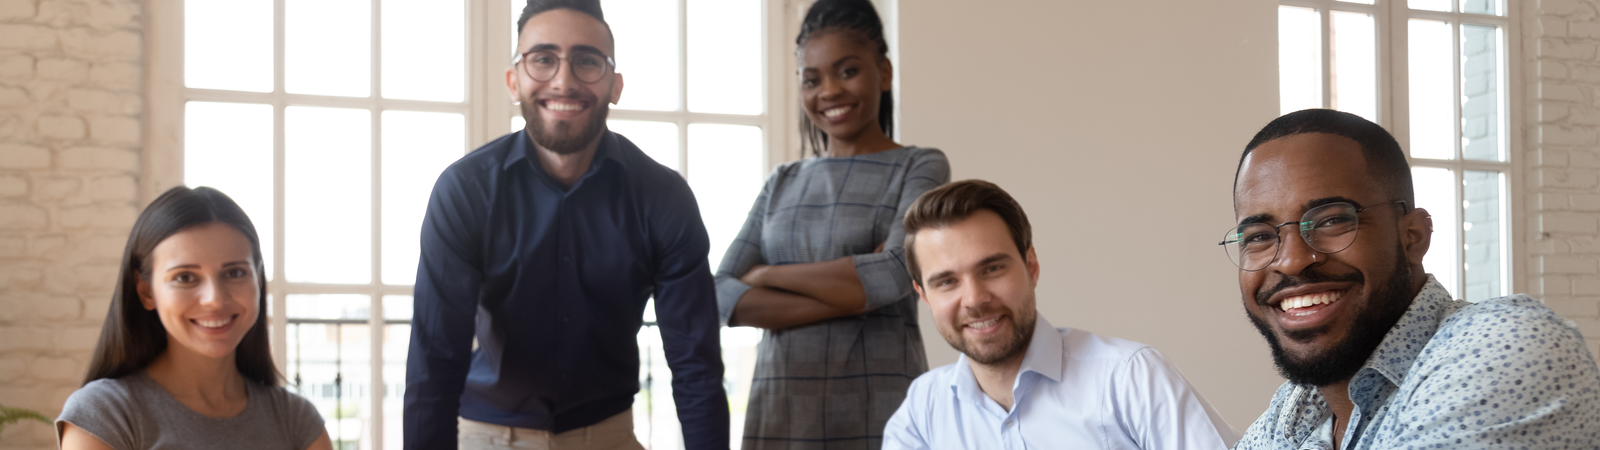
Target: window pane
{"x":1484,"y":228}
{"x":657,"y":139}
{"x":725,"y":56}
{"x":1364,"y":2}
{"x":228,"y":146}
{"x":1491,"y":7}
{"x":328,"y":195}
{"x":739,"y":369}
{"x":725,"y":171}
{"x":1299,"y":59}
{"x":424,"y":50}
{"x":417,"y":146}
{"x":330,"y":364}
{"x":518,"y":123}
{"x":328,"y":306}
{"x":396,"y":344}
{"x":1480,"y":93}
{"x":397,"y":307}
{"x":1355,"y":59}
{"x":228,"y":44}
{"x":1436,"y":192}
{"x":328,"y":47}
{"x":1431,"y":5}
{"x":647,"y":44}
{"x":655,"y":419}
{"x":1432,"y":90}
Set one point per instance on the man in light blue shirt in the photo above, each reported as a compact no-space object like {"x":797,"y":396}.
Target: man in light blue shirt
{"x":1377,"y":353}
{"x":1022,"y":383}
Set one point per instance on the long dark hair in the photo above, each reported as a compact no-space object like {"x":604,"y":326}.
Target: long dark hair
{"x":132,"y":336}
{"x":851,"y":15}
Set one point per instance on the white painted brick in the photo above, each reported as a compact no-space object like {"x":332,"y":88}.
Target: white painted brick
{"x":1568,"y":179}
{"x":62,"y":69}
{"x":104,"y":247}
{"x":1550,"y":112}
{"x":21,"y":36}
{"x":52,"y":189}
{"x":83,"y":338}
{"x":1585,"y":158}
{"x":56,"y":368}
{"x":88,"y":100}
{"x":1575,"y":308}
{"x":97,"y":278}
{"x":25,"y":338}
{"x":1586,"y":202}
{"x":42,"y":245}
{"x":23,"y":156}
{"x":1587,"y":325}
{"x":115,"y":76}
{"x":1549,"y":157}
{"x":1548,"y":48}
{"x":17,"y":9}
{"x":124,"y":45}
{"x":16,"y":67}
{"x":62,"y":127}
{"x":111,"y":16}
{"x":114,"y":129}
{"x":1565,"y":264}
{"x":13,"y":97}
{"x":117,"y":187}
{"x":1566,"y":9}
{"x":1560,"y":135}
{"x":1561,"y":92}
{"x":12,"y":246}
{"x":1586,"y":286}
{"x":1585,"y":246}
{"x":1551,"y":222}
{"x":1546,"y":201}
{"x":104,"y":158}
{"x":1552,"y":27}
{"x":118,"y":217}
{"x":14,"y":216}
{"x":37,"y":307}
{"x":13,"y":186}
{"x":16,"y":127}
{"x":13,"y":366}
{"x":1553,"y":286}
{"x":1584,"y":30}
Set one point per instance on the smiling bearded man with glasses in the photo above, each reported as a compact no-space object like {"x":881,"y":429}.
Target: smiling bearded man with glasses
{"x":544,"y":245}
{"x":1377,"y":355}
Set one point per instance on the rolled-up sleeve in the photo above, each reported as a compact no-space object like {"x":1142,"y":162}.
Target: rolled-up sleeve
{"x":687,"y":312}
{"x":445,"y":304}
{"x":742,"y":254}
{"x":884,"y":275}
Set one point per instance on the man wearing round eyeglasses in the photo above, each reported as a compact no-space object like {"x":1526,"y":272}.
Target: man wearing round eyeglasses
{"x":1377,"y":354}
{"x":545,"y":246}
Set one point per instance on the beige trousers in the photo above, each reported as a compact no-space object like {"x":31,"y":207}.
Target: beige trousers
{"x":614,"y":433}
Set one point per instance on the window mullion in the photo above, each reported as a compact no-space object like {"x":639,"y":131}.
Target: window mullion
{"x":375,"y":295}
{"x":1326,"y":16}
{"x":683,"y":87}
{"x":279,"y":309}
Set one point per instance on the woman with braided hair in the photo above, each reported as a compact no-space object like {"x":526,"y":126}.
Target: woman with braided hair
{"x":820,"y":262}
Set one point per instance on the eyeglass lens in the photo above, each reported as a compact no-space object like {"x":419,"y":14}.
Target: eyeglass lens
{"x":1326,"y":229}
{"x":542,"y":66}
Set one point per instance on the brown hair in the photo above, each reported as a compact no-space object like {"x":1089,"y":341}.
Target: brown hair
{"x":945,"y":205}
{"x":132,"y":336}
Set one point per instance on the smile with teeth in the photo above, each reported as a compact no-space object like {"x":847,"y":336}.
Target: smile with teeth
{"x":836,"y":112}
{"x":1303,"y":301}
{"x":213,"y":323}
{"x":559,"y":106}
{"x":984,"y":325}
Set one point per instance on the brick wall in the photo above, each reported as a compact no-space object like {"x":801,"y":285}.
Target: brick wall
{"x":71,"y":105}
{"x":1562,"y":148}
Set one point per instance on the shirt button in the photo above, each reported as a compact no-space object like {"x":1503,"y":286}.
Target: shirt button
{"x":1008,"y":423}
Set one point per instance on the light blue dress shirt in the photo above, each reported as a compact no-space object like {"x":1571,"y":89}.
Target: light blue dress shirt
{"x":1501,"y":373}
{"x":1075,"y":389}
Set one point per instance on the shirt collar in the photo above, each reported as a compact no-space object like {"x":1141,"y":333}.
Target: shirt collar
{"x":1400,"y":347}
{"x":609,"y":150}
{"x":1042,"y":357}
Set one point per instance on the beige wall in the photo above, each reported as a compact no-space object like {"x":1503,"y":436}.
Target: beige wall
{"x":1117,"y":125}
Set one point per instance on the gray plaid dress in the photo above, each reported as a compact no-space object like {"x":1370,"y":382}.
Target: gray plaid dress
{"x":835,"y":383}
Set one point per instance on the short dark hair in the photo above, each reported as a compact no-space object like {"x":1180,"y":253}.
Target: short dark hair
{"x":861,"y":18}
{"x":132,"y":336}
{"x":1386,"y":161}
{"x":945,"y":205}
{"x":590,"y":7}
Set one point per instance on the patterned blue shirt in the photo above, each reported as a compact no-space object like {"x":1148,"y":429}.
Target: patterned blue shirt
{"x":1502,"y":373}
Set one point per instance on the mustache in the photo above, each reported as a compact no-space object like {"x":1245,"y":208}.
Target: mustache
{"x":1307,"y":276}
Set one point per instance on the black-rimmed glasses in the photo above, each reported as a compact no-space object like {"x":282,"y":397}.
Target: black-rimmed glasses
{"x":542,"y":65}
{"x":1328,"y":228}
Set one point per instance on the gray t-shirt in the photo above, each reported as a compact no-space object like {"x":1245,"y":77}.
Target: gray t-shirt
{"x":135,"y":412}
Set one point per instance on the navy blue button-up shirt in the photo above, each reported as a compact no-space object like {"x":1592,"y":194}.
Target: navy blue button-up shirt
{"x":553,"y":283}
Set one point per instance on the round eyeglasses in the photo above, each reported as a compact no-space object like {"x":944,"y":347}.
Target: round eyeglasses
{"x":1328,"y":228}
{"x":541,"y":65}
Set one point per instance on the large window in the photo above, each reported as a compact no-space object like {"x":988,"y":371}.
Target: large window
{"x":1433,"y":72}
{"x":328,"y":121}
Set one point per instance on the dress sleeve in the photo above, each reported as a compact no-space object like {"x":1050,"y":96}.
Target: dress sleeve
{"x":103,"y":408}
{"x":743,"y":253}
{"x":1157,"y":407}
{"x":304,"y":419}
{"x":884,"y":275}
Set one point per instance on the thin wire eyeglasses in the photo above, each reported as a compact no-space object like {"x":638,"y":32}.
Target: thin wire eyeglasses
{"x":1329,"y":228}
{"x":542,"y":65}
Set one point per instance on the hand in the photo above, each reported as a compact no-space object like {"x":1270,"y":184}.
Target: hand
{"x":880,"y":247}
{"x":753,"y":277}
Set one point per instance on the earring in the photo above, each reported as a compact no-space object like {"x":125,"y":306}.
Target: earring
{"x":1313,"y":256}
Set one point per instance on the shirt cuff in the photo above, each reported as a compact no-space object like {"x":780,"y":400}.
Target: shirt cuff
{"x":729,"y":290}
{"x":884,"y":277}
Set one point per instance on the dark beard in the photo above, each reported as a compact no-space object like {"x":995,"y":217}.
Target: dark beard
{"x":561,"y":138}
{"x":1021,"y":336}
{"x":1372,"y":323}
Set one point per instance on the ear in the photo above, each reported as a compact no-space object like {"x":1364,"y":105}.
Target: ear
{"x":511,"y":83}
{"x":143,"y":288}
{"x":921,"y":295}
{"x":616,"y":88}
{"x":885,"y":74}
{"x":1033,"y":267}
{"x":1416,"y":235}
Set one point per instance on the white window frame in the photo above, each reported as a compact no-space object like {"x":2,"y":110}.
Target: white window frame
{"x":1393,"y":89}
